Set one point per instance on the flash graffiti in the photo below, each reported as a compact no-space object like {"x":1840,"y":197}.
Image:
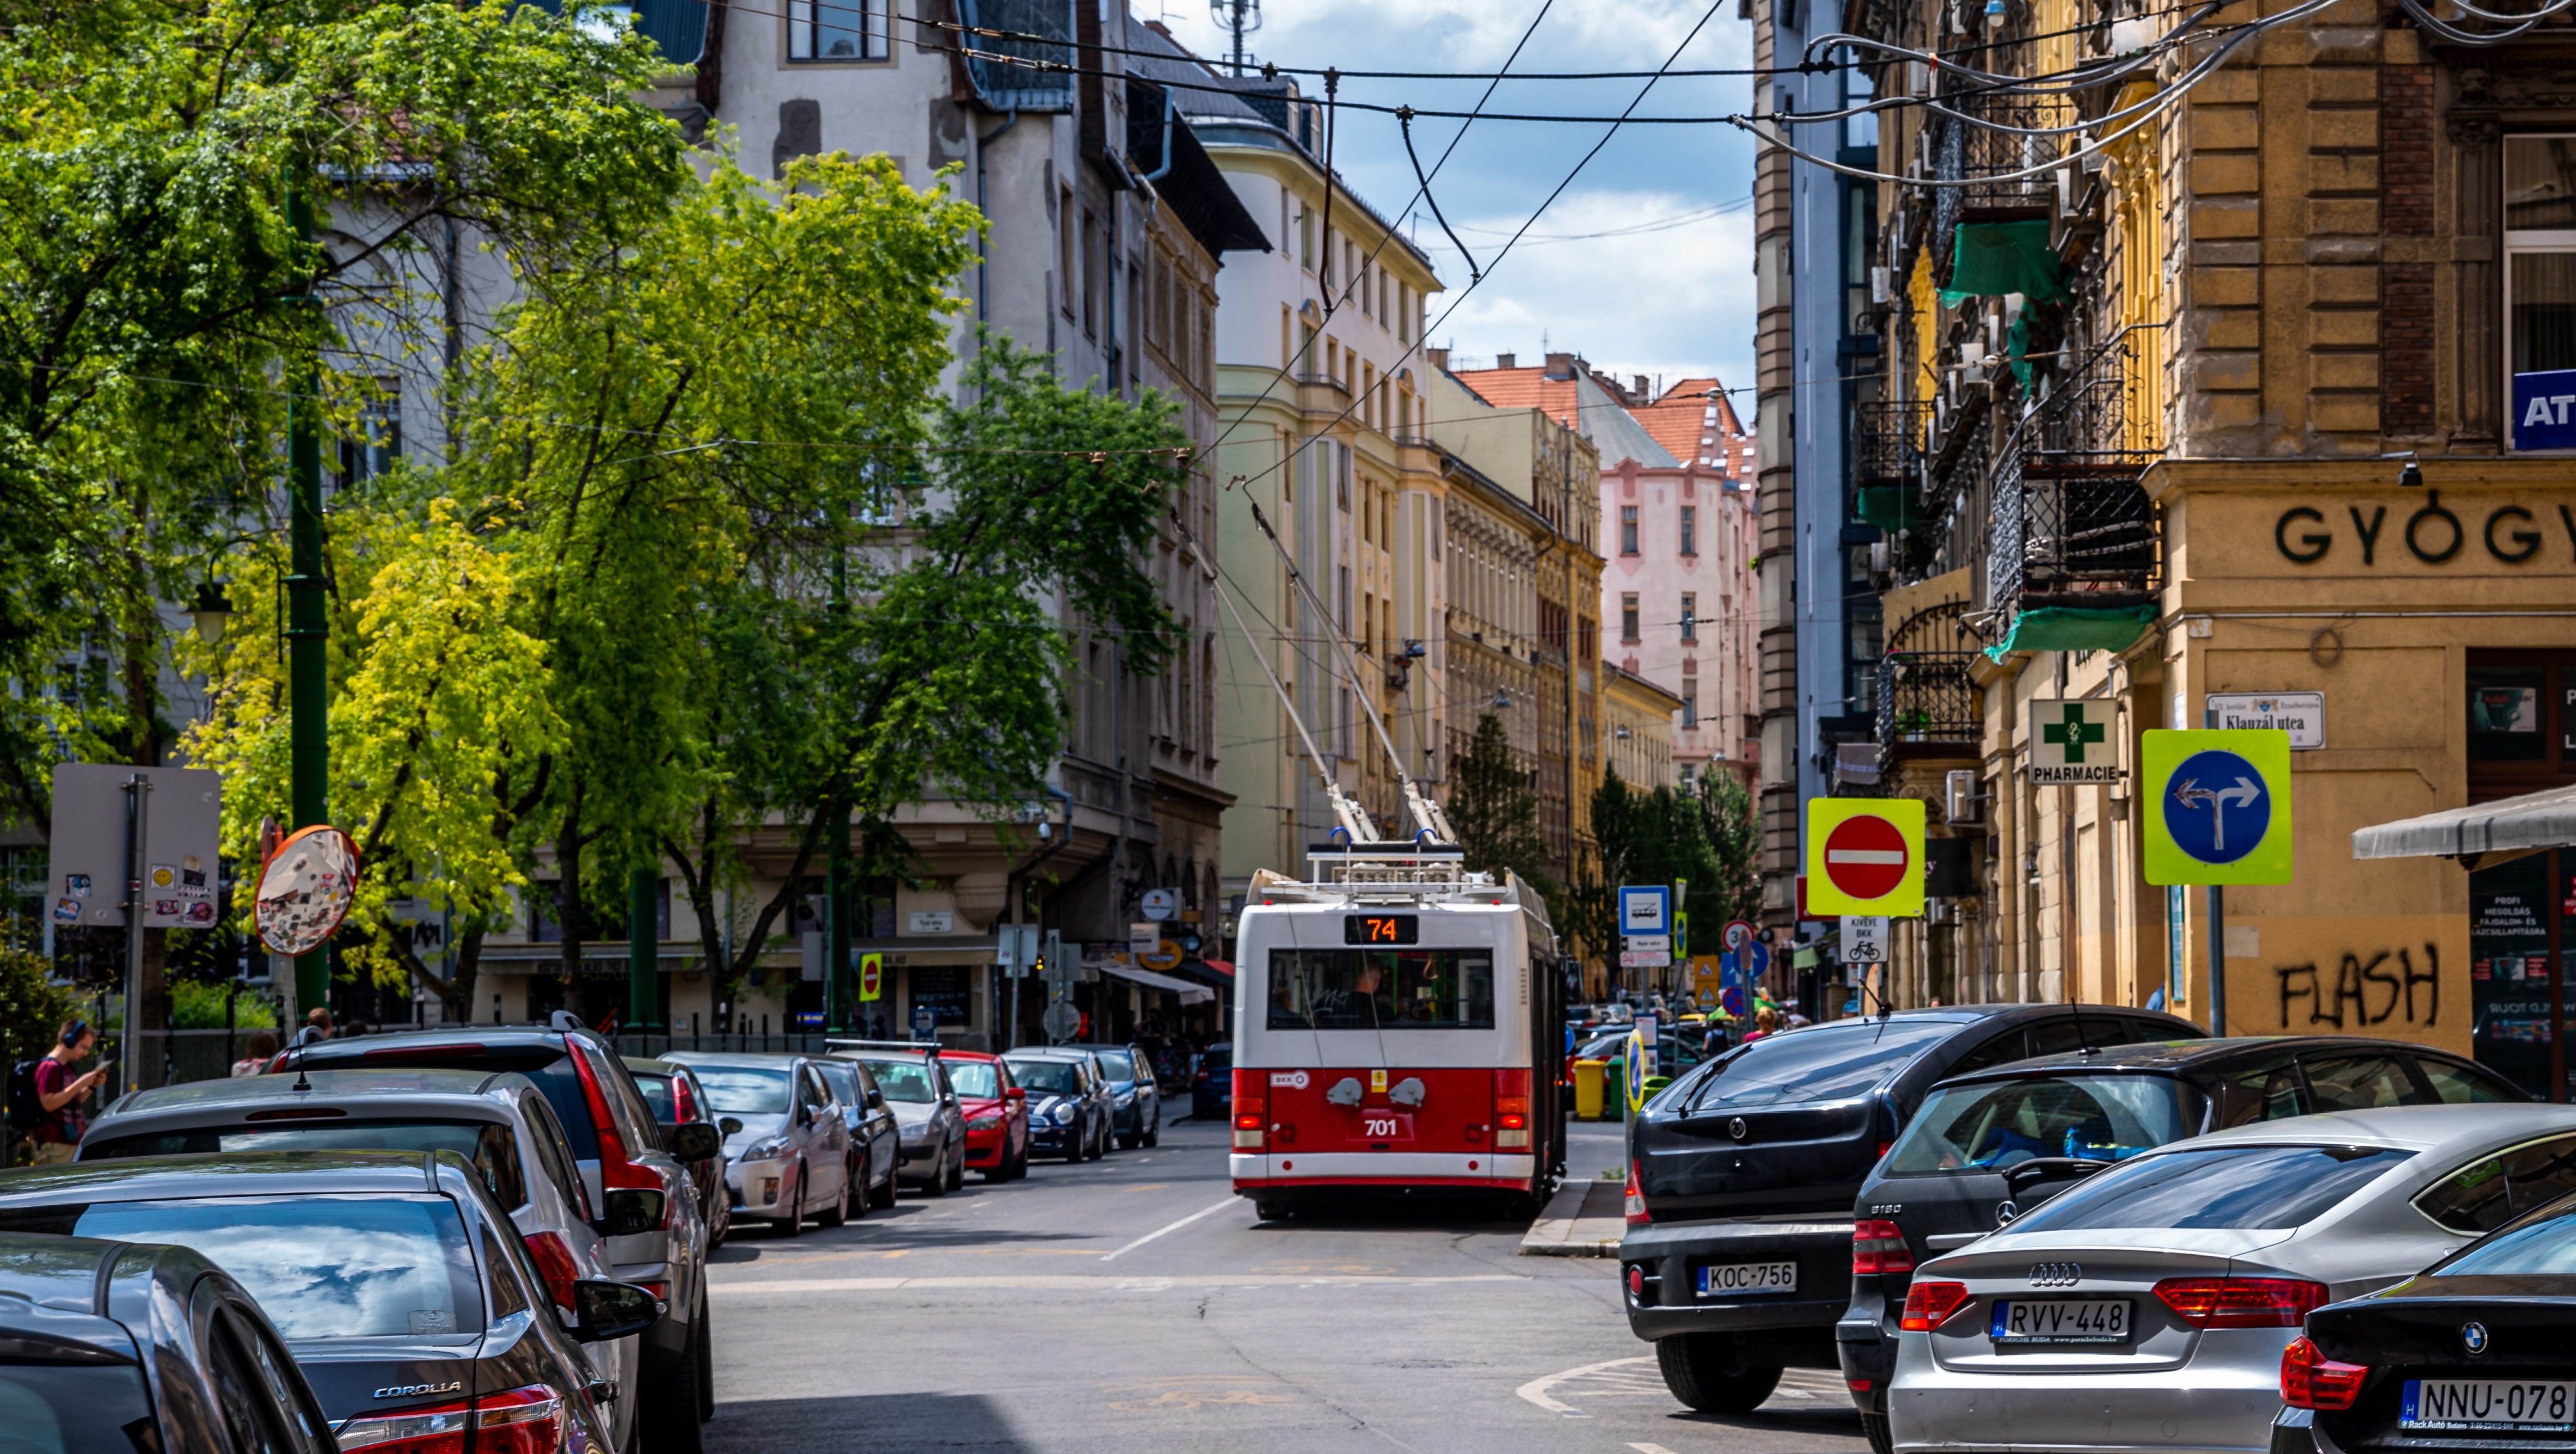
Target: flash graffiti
{"x":2365,"y":991}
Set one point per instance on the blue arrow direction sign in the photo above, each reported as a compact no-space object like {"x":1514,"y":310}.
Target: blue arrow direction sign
{"x":2214,"y":792}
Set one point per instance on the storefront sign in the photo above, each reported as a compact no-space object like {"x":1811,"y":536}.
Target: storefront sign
{"x":2544,"y":410}
{"x":2074,"y":741}
{"x":2431,"y":532}
{"x":2301,"y":714}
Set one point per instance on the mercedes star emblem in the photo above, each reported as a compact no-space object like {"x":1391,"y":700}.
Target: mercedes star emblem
{"x":2005,"y":1213}
{"x":1735,"y":1128}
{"x":2473,"y":1336}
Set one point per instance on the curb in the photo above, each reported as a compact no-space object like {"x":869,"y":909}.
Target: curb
{"x":1581,"y":1220}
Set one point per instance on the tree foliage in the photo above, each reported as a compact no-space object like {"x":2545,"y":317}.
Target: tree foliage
{"x":1495,"y":811}
{"x":1704,"y":840}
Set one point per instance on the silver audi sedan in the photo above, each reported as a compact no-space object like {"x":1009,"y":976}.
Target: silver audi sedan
{"x":2147,"y":1308}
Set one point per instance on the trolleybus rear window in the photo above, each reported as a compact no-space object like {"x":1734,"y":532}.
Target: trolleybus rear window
{"x":1381,"y":989}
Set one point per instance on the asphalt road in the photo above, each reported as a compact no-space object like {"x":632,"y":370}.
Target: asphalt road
{"x":1133,"y":1304}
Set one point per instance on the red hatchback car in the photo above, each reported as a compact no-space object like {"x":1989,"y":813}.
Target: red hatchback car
{"x":996,"y":1112}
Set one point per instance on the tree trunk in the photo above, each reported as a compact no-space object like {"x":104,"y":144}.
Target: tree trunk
{"x":568,"y":904}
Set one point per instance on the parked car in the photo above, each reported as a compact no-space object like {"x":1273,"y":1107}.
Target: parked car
{"x":2161,"y":1295}
{"x":500,"y":1124}
{"x":1991,"y":1145}
{"x":640,"y":1193}
{"x":2472,"y":1353}
{"x":996,"y":1111}
{"x":114,"y":1346}
{"x":1136,"y":1102}
{"x":395,"y":1280}
{"x":677,"y":1099}
{"x":1212,"y":1084}
{"x":931,"y":1129}
{"x":876,"y":1143}
{"x":787,"y":1145}
{"x":1741,"y":1175}
{"x":1071,"y":1114}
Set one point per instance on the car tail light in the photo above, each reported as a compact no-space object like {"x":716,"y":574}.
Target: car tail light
{"x":528,"y":1420}
{"x":1930,"y":1304}
{"x":277,"y":1066}
{"x":1638,"y":1216}
{"x":1251,"y":1109}
{"x":616,"y":1170}
{"x":684,"y":1102}
{"x":2311,"y":1380}
{"x":440,"y":1429}
{"x":2241,"y":1302}
{"x":554,"y":1265}
{"x":1511,"y":1110}
{"x":1879,"y":1247}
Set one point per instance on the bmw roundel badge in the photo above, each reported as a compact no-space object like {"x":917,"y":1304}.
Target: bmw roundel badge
{"x":2473,"y":1336}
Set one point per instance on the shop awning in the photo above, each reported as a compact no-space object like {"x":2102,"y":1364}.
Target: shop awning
{"x":1189,"y":994}
{"x":2505,"y":828}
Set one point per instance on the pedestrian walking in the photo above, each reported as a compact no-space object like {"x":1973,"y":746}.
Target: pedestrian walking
{"x":317,"y":1027}
{"x":1765,"y":1021}
{"x":60,"y":1094}
{"x":257,"y":1053}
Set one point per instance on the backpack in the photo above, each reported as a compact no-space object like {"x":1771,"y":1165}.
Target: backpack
{"x":26,"y":1110}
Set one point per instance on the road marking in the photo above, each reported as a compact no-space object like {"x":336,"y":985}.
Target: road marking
{"x":1650,"y":1449}
{"x":1149,"y":1186}
{"x":1536,"y":1390}
{"x":1094,"y":1282}
{"x":1166,"y":1231}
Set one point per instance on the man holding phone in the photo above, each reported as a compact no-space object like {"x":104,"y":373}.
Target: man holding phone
{"x":60,"y":1094}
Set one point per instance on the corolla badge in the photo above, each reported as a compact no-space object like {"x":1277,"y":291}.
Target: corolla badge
{"x":2473,"y":1336}
{"x":414,"y":1390}
{"x":2056,"y":1274}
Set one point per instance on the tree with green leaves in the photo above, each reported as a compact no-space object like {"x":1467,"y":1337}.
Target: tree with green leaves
{"x":1704,"y":840}
{"x":1495,"y":810}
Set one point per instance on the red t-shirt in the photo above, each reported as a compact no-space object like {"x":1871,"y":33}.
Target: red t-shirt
{"x":65,"y":1125}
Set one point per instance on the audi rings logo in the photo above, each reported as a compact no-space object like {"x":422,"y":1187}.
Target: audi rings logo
{"x":1735,"y":1128}
{"x":2056,"y":1274}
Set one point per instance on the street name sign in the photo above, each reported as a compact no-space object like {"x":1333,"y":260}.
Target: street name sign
{"x":2073,"y":740}
{"x":1865,"y":856}
{"x":2300,"y":714}
{"x":2218,"y":806}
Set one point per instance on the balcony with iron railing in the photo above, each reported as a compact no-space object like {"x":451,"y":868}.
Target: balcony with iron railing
{"x":2072,"y":525}
{"x":1927,"y":706}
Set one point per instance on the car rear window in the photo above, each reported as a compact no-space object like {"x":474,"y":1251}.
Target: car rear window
{"x":1819,"y":1063}
{"x":2229,"y":1188}
{"x":2544,"y":1247}
{"x":72,"y":1408}
{"x":1992,"y":1125}
{"x":1049,"y":1077}
{"x":904,"y":1080}
{"x":746,"y":1090}
{"x":1120,"y":1064}
{"x":540,"y":1061}
{"x":1216,"y":1057}
{"x":492,"y":1147}
{"x":320,"y":1266}
{"x":656,"y":1087}
{"x":974,"y":1079}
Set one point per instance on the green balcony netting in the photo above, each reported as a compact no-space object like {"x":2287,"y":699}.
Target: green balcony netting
{"x":2074,"y":628}
{"x":1990,"y":259}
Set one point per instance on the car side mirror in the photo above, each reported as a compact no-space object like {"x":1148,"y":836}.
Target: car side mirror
{"x":729,"y":1125}
{"x":631,"y":1210}
{"x":876,"y":1099}
{"x":1016,"y":1093}
{"x":607,"y":1310}
{"x":693,"y":1141}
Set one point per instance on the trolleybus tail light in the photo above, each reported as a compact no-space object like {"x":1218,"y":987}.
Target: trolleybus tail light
{"x":1511,"y":1110}
{"x":2311,"y":1380}
{"x":1251,"y":1109}
{"x":1638,"y":1216}
{"x":2241,"y":1302}
{"x":1930,"y":1304}
{"x":1879,"y":1247}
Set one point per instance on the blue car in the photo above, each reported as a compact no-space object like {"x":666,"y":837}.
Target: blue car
{"x":1139,"y":1101}
{"x":1212,"y":1084}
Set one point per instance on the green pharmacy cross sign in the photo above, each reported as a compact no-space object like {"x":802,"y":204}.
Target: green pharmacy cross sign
{"x":2072,"y":741}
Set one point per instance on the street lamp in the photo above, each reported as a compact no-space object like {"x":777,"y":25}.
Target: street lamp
{"x":211,"y":612}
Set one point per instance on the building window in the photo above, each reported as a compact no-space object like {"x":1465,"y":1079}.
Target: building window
{"x":377,"y":442}
{"x":1066,"y":265}
{"x":1628,"y":617}
{"x":836,"y":30}
{"x":1627,"y":530}
{"x":1690,"y":530}
{"x":1090,"y":273}
{"x":1687,"y":785}
{"x":2540,"y":289}
{"x":1690,"y":614}
{"x":1690,"y":701}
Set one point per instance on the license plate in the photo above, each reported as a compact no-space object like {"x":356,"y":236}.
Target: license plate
{"x":2487,"y":1403}
{"x":1741,"y":1277}
{"x":2061,"y":1320}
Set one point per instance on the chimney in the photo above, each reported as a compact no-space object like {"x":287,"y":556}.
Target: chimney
{"x":1439,"y":357}
{"x":1507,"y":361}
{"x":1642,"y":395}
{"x":1560,"y":366}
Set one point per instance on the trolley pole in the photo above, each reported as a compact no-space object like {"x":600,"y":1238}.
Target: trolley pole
{"x":308,"y":626}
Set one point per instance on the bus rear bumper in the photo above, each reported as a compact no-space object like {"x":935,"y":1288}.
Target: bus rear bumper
{"x":1255,"y":1173}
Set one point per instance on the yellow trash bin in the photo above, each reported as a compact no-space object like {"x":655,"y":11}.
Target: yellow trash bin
{"x":1587,"y":1089}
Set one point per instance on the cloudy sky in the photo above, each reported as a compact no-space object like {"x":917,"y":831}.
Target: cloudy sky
{"x":1670,"y":293}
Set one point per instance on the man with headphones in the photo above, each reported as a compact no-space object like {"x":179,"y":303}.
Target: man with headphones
{"x":60,"y":1093}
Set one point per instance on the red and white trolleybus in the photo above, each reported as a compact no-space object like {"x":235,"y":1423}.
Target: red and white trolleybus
{"x":1397,"y":1028}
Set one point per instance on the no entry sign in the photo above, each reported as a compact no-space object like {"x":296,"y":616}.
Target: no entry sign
{"x":1865,"y":856}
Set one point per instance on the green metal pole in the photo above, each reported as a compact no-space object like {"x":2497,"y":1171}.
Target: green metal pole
{"x":836,"y":838}
{"x":308,"y":621}
{"x":643,"y":945}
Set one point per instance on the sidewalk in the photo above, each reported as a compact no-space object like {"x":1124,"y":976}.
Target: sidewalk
{"x":1583,"y":1219}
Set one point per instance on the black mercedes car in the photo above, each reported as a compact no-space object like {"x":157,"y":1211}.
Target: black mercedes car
{"x":1737,"y":1260}
{"x":2475,"y":1352}
{"x":1988,"y":1145}
{"x":397,"y":1282}
{"x":111,"y":1346}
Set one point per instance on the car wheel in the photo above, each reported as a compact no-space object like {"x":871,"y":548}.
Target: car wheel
{"x":667,"y":1410}
{"x":1269,"y":1211}
{"x":937,"y":1186}
{"x":839,"y":1211}
{"x":1130,"y":1142}
{"x":957,"y":1171}
{"x":1154,"y":1132}
{"x":705,"y":1338}
{"x":883,"y":1195}
{"x":1020,"y":1166}
{"x":1881,"y":1441}
{"x":794,"y":1221}
{"x":1100,"y":1143}
{"x":856,"y":1177}
{"x":1702,"y":1371}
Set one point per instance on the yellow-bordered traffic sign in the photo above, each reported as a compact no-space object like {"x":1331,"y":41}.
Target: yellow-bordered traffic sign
{"x":871,"y":976}
{"x":1865,"y":856}
{"x":2218,"y":805}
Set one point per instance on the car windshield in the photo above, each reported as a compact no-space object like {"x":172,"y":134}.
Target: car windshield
{"x":745,"y":1090}
{"x":904,"y":1080}
{"x":2545,"y":1247}
{"x":74,"y":1408}
{"x":1052,"y":1077}
{"x":976,"y":1080}
{"x":319,"y":1266}
{"x":842,"y":1080}
{"x":1819,"y":1063}
{"x":491,"y":1147}
{"x":2229,"y":1188}
{"x":1990,"y":1126}
{"x":1120,"y":1064}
